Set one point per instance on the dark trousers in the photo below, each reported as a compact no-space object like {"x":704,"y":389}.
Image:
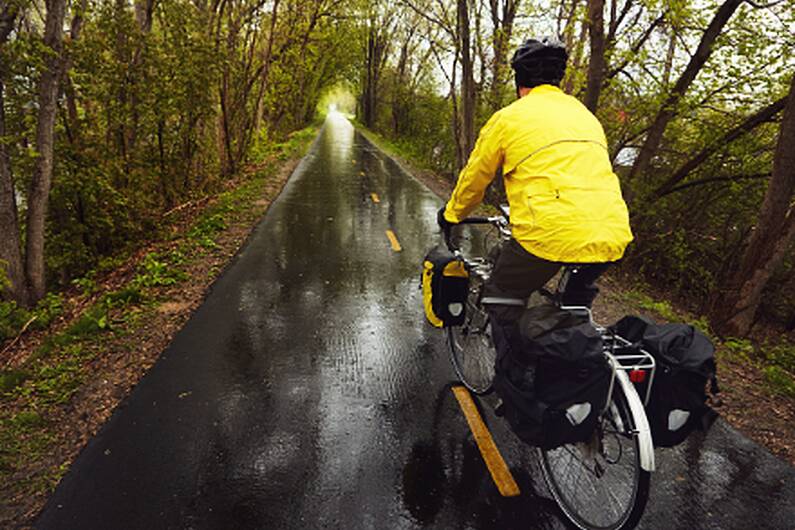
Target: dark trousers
{"x":518,"y":273}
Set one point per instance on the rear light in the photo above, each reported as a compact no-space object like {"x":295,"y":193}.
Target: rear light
{"x":637,"y":376}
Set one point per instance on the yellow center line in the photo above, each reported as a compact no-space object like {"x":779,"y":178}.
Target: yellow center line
{"x":488,"y":449}
{"x":375,"y":198}
{"x":393,"y":240}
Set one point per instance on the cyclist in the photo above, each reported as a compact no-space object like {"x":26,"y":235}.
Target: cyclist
{"x":565,"y":201}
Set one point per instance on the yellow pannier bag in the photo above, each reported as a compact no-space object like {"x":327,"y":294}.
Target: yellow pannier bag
{"x":445,"y":285}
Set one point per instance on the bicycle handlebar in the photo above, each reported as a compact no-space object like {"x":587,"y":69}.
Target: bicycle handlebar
{"x":468,"y":221}
{"x":478,"y":220}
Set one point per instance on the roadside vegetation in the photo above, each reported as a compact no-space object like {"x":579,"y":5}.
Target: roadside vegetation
{"x":100,"y":328}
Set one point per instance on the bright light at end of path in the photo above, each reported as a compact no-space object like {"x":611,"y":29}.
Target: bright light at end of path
{"x":338,"y":120}
{"x":332,"y":107}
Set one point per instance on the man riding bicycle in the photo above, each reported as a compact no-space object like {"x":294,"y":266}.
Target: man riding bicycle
{"x":565,"y":201}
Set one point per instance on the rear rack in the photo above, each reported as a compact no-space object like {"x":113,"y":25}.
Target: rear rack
{"x":621,"y":354}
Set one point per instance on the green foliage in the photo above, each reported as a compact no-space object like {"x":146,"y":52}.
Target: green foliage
{"x":4,"y":281}
{"x":155,"y":271}
{"x":27,"y":419}
{"x":21,"y":436}
{"x":780,"y":380}
{"x":47,"y":310}
{"x":10,"y":379}
{"x":86,"y":284}
{"x":739,"y":349}
{"x":93,"y":320}
{"x":126,"y":296}
{"x":55,"y":385}
{"x":50,"y":383}
{"x":12,"y":318}
{"x":662,"y":307}
{"x":339,"y":98}
{"x":153,"y":116}
{"x":261,"y":147}
{"x":781,"y":354}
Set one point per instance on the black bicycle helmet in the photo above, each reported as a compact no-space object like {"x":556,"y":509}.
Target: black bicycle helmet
{"x":539,"y":61}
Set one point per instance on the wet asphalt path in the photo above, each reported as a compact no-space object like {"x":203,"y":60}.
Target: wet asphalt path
{"x":307,"y":392}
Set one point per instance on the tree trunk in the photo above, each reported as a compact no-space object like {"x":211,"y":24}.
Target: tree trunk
{"x":370,"y":79}
{"x":669,"y":56}
{"x":10,"y":249}
{"x":735,"y":307}
{"x":668,"y":109}
{"x":144,"y":10}
{"x":503,"y":29}
{"x":569,"y":26}
{"x":10,"y":245}
{"x":374,"y":62}
{"x":72,"y":127}
{"x":467,"y":81}
{"x":400,"y":92}
{"x":575,"y":60}
{"x":266,"y":67}
{"x":596,"y":64}
{"x":460,"y":158}
{"x":227,"y":153}
{"x":41,"y":180}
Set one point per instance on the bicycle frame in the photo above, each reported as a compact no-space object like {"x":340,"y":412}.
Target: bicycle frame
{"x":621,"y":364}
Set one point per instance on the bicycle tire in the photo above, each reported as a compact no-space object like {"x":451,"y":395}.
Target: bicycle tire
{"x":471,"y":346}
{"x":592,"y":501}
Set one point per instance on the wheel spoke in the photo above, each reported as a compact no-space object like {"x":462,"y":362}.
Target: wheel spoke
{"x":471,"y":347}
{"x":605,"y":498}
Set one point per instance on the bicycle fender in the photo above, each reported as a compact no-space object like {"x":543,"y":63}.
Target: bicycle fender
{"x":645,"y":443}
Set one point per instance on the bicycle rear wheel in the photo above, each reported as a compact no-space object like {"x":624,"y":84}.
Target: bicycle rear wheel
{"x":601,"y":484}
{"x":471,"y":346}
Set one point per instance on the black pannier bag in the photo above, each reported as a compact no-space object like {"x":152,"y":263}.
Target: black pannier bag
{"x":445,"y":286}
{"x":551,"y":375}
{"x":685,"y":365}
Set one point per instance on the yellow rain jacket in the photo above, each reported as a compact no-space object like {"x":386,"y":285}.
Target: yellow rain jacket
{"x":565,"y":200}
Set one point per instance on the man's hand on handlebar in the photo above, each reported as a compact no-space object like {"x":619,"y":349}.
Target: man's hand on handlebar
{"x":443,"y":223}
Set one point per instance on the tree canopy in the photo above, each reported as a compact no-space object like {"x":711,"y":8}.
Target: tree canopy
{"x":113,"y":112}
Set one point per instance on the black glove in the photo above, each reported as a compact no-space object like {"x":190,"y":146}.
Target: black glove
{"x":443,"y":223}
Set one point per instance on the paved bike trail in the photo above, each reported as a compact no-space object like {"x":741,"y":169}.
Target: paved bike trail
{"x":307,"y":392}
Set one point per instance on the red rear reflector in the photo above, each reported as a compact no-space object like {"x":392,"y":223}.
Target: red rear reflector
{"x":637,"y":376}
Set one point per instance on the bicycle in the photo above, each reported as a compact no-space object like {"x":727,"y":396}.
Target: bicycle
{"x":600,"y":484}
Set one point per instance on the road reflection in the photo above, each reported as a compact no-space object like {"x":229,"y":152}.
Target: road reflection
{"x":445,"y":483}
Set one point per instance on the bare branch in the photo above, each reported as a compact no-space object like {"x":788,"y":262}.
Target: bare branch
{"x":636,"y":46}
{"x":763,"y":6}
{"x":709,"y":180}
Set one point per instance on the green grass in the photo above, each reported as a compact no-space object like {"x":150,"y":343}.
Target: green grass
{"x":22,"y":436}
{"x":642,"y":300}
{"x":775,"y":360}
{"x":666,"y":311}
{"x":13,"y":318}
{"x":739,"y":349}
{"x":127,"y":295}
{"x":11,"y":379}
{"x":780,"y":381}
{"x":781,"y":354}
{"x":392,"y":148}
